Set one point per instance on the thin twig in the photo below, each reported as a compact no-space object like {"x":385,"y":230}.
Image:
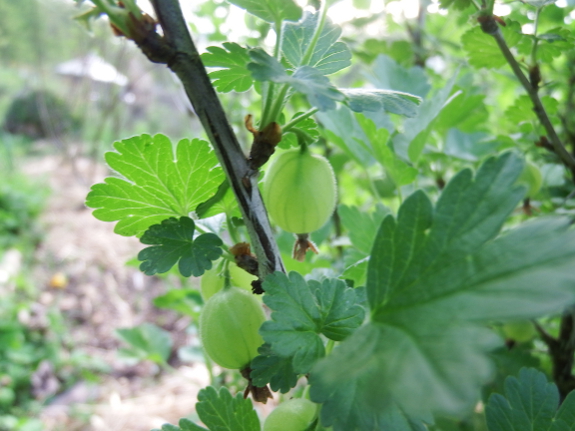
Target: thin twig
{"x":489,"y":26}
{"x":178,"y":51}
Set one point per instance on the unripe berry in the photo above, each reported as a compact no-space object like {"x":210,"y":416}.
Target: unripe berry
{"x":299,"y":191}
{"x":229,"y":324}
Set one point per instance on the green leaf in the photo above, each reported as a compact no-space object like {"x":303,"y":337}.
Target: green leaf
{"x":509,"y":362}
{"x":173,"y":242}
{"x":149,"y":341}
{"x":319,"y":91}
{"x":271,"y":10}
{"x":522,"y":110}
{"x":302,"y":310}
{"x":181,"y":300}
{"x":232,"y":58}
{"x":188,"y":425}
{"x":421,"y":364}
{"x":219,"y":411}
{"x":435,"y":276}
{"x":356,"y":272}
{"x":397,"y":102}
{"x":264,"y":67}
{"x":530,"y":403}
{"x":469,"y":146}
{"x":466,"y":111}
{"x":395,"y":168}
{"x":362,"y":226}
{"x":224,"y":201}
{"x":157,"y":184}
{"x":90,"y":15}
{"x":411,"y":142}
{"x":344,"y":130}
{"x":387,"y":74}
{"x":554,"y":43}
{"x":455,"y":4}
{"x":329,"y":55}
{"x":565,"y":418}
{"x":539,"y":3}
{"x":306,"y":79}
{"x":306,"y":130}
{"x":184,"y":425}
{"x":271,"y":368}
{"x":482,"y":48}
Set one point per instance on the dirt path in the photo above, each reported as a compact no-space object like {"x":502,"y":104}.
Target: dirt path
{"x":102,"y":295}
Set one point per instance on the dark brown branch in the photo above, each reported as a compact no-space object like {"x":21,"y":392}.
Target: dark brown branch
{"x":177,"y":50}
{"x":562,"y":352}
{"x":489,"y":26}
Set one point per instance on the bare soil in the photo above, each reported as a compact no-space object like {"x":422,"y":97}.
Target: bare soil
{"x":101,"y":295}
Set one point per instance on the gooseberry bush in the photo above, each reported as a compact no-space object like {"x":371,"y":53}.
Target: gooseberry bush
{"x":434,"y":255}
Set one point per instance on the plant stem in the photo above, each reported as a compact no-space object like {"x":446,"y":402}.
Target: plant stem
{"x":317,"y":33}
{"x":177,"y":50}
{"x":268,"y":100}
{"x":287,"y":126}
{"x":232,"y":230}
{"x":279,"y":103}
{"x":329,"y":347}
{"x":277,"y":48}
{"x":558,"y":147}
{"x":562,"y":351}
{"x":534,"y":49}
{"x":209,"y":366}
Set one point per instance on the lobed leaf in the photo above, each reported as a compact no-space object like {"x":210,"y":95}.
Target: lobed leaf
{"x":271,"y":10}
{"x":397,"y":102}
{"x":387,"y":74}
{"x":232,"y":59}
{"x":271,"y":368}
{"x":329,"y":55}
{"x":410,"y":143}
{"x":157,"y":185}
{"x":362,"y":226}
{"x":482,"y":48}
{"x":219,"y":411}
{"x":400,"y":172}
{"x":530,"y":403}
{"x":316,"y":87}
{"x":306,"y":79}
{"x":184,"y":425}
{"x":173,"y":242}
{"x":302,"y":310}
{"x":344,"y":130}
{"x":305,"y":130}
{"x":435,"y":276}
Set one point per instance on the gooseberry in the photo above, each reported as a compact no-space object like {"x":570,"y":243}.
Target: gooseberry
{"x":293,"y":415}
{"x":229,"y":324}
{"x":299,"y":191}
{"x":520,"y":331}
{"x":532,"y":178}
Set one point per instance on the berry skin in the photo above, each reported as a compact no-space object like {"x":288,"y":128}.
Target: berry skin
{"x":229,"y":324}
{"x":293,"y":415}
{"x":532,"y":178}
{"x":299,"y":191}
